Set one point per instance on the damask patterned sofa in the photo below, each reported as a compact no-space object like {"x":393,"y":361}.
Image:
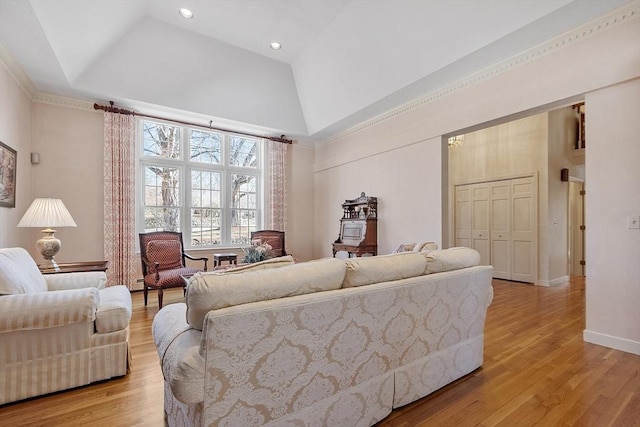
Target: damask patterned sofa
{"x":322,"y":343}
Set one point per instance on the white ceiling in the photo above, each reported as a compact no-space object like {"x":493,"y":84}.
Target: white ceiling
{"x":342,"y":61}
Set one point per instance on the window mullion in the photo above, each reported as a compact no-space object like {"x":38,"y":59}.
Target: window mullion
{"x":214,"y":164}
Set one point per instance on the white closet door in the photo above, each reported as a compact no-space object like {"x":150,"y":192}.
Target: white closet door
{"x":463,"y":215}
{"x":523,"y":230}
{"x":499,"y":220}
{"x":501,"y":229}
{"x":480,"y":221}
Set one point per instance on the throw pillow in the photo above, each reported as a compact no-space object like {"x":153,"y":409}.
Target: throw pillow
{"x":451,"y":259}
{"x":405,"y":247}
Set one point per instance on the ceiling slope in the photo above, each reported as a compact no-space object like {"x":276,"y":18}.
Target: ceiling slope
{"x":342,"y":62}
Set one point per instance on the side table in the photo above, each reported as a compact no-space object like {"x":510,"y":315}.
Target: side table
{"x":76,"y":267}
{"x":218,"y":258}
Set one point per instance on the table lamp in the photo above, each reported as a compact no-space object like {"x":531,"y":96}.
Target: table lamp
{"x":47,"y":213}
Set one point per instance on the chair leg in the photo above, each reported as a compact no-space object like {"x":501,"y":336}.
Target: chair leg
{"x":146,"y":294}
{"x":160,"y":295}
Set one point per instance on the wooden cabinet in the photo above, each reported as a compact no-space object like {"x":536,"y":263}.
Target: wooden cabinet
{"x":358,"y":227}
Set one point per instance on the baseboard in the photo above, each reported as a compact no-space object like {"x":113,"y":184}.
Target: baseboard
{"x":559,"y":281}
{"x":616,"y":343}
{"x":555,"y":282}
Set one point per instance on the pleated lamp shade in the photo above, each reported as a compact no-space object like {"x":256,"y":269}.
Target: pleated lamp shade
{"x":47,"y":213}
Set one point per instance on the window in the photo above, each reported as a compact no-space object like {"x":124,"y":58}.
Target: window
{"x":203,"y":183}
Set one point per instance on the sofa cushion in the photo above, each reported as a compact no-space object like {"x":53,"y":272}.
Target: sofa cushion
{"x":114,"y":310}
{"x":261,"y":265}
{"x":215,"y":291}
{"x":19,"y":273}
{"x":168,"y":253}
{"x":451,"y":259}
{"x":383,"y":268}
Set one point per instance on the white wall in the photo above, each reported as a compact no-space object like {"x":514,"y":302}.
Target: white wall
{"x":613,"y":193}
{"x":404,"y":214}
{"x":15,"y":131}
{"x":608,"y":56}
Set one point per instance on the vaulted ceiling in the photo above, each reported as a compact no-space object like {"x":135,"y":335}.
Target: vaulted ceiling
{"x":341,"y":61}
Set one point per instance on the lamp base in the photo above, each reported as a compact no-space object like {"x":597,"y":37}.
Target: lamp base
{"x":49,"y":246}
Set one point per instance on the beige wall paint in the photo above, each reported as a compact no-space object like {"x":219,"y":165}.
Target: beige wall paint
{"x":504,"y":151}
{"x":15,"y":131}
{"x":70,"y":143}
{"x":300,"y":211}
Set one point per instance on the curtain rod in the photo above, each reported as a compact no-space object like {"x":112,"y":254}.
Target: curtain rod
{"x":112,"y":109}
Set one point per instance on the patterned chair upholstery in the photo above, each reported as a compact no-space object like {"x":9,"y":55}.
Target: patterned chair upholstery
{"x":273,"y":238}
{"x":163,"y":262}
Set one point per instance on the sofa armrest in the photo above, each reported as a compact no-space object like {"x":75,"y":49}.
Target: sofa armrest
{"x":84,"y":279}
{"x":178,"y":346}
{"x":114,"y":310}
{"x":48,"y":309}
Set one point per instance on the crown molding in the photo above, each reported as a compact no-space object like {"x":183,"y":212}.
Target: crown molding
{"x":305,"y":144}
{"x":64,"y":101}
{"x":614,"y":18}
{"x":16,"y":71}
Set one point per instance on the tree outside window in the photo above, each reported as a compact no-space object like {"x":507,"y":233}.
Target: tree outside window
{"x":200,"y":182}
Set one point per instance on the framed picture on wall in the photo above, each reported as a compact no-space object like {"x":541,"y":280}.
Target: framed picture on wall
{"x":8,"y":162}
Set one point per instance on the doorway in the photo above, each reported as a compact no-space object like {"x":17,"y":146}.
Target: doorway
{"x":576,"y":227}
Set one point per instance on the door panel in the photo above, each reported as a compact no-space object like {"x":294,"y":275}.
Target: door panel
{"x":480,"y":222}
{"x":523,"y":231}
{"x":463,"y":215}
{"x":501,"y":229}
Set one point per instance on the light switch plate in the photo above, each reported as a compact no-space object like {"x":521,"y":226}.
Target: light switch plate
{"x":633,"y":221}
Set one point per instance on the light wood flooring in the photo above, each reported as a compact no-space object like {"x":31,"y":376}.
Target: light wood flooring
{"x":537,"y":371}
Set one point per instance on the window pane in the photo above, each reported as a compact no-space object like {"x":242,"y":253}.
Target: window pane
{"x":243,"y":212}
{"x":205,"y":208}
{"x":243,"y":152}
{"x":161,"y":219}
{"x":161,"y":199}
{"x":205,"y":147}
{"x":160,"y":140}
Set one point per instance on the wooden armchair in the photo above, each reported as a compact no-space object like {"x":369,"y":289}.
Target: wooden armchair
{"x":163,"y":262}
{"x":273,"y":238}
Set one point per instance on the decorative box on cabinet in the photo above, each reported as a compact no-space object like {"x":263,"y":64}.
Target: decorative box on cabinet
{"x":358,"y":227}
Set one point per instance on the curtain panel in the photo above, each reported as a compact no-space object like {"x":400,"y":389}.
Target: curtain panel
{"x":119,"y":198}
{"x":276,"y":203}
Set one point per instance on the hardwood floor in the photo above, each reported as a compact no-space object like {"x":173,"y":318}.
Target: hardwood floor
{"x":537,"y":371}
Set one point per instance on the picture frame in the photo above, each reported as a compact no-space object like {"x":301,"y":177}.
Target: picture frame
{"x":8,"y":165}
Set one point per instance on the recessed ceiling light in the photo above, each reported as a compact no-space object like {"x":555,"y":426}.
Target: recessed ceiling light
{"x":186,"y":13}
{"x":275,"y":45}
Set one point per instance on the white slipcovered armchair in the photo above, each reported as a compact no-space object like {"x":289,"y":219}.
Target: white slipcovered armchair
{"x":58,"y":331}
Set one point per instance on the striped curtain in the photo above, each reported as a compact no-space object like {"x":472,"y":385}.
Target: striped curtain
{"x":119,"y":198}
{"x":276,"y":206}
